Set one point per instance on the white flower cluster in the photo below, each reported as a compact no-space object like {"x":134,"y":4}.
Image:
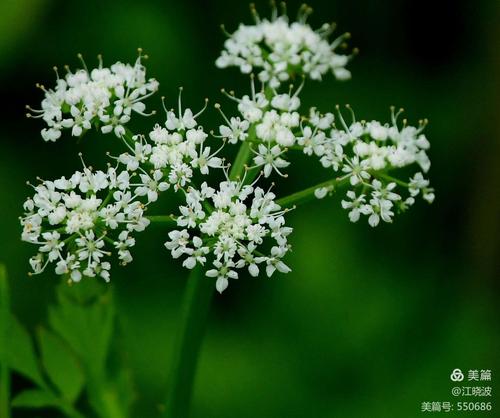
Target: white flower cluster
{"x":103,"y":97}
{"x":174,"y":150}
{"x":71,"y":214}
{"x":273,"y":121}
{"x":76,"y":222}
{"x":365,"y":152}
{"x":230,"y":226}
{"x":363,"y":146}
{"x":280,"y":49}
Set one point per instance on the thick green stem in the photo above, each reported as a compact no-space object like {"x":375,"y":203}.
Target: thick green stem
{"x":194,"y":316}
{"x":4,"y":321}
{"x":195,"y":310}
{"x":308,"y":194}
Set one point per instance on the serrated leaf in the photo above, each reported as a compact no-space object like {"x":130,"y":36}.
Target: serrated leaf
{"x":35,"y":398}
{"x":20,"y":354}
{"x":61,"y":365}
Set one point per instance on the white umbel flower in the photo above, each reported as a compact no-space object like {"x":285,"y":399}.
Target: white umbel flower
{"x":230,"y":226}
{"x":104,"y":97}
{"x":279,"y":49}
{"x":78,"y":222}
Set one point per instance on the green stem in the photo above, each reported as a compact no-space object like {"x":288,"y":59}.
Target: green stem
{"x":240,"y":161}
{"x":4,"y":320}
{"x":308,"y":194}
{"x":390,"y":178}
{"x":194,"y":316}
{"x":166,"y":220}
{"x":195,"y":310}
{"x":244,"y":154}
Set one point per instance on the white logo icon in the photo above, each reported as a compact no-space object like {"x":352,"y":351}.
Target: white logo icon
{"x":457,"y":375}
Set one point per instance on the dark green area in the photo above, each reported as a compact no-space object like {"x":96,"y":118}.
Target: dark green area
{"x":371,"y":322}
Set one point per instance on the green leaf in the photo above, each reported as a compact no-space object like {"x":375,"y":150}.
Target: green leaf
{"x":120,"y":380}
{"x":86,"y":325}
{"x":35,"y":398}
{"x":61,"y":365}
{"x":20,"y":353}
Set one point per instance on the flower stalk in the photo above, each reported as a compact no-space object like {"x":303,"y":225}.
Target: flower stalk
{"x":196,"y":306}
{"x":308,"y":194}
{"x":164,"y":220}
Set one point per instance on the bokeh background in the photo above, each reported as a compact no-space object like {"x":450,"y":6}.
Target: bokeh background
{"x":371,"y":321}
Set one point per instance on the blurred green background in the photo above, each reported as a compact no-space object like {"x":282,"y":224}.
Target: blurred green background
{"x":371,"y":321}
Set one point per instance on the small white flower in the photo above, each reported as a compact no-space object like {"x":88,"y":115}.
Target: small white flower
{"x":222,"y":272}
{"x":235,"y":131}
{"x":320,"y":121}
{"x":378,"y":209}
{"x":151,"y":185}
{"x":204,"y":161}
{"x":178,"y":242}
{"x":91,"y":248}
{"x":377,"y":131}
{"x":384,"y":192}
{"x":312,"y":141}
{"x":321,"y":192}
{"x":196,"y":254}
{"x":417,"y":183}
{"x":274,"y":262}
{"x":183,"y":122}
{"x":51,"y":245}
{"x":285,"y":102}
{"x":269,"y":157}
{"x":357,"y":170}
{"x":356,"y":205}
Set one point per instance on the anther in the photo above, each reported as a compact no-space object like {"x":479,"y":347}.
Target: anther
{"x":80,"y":57}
